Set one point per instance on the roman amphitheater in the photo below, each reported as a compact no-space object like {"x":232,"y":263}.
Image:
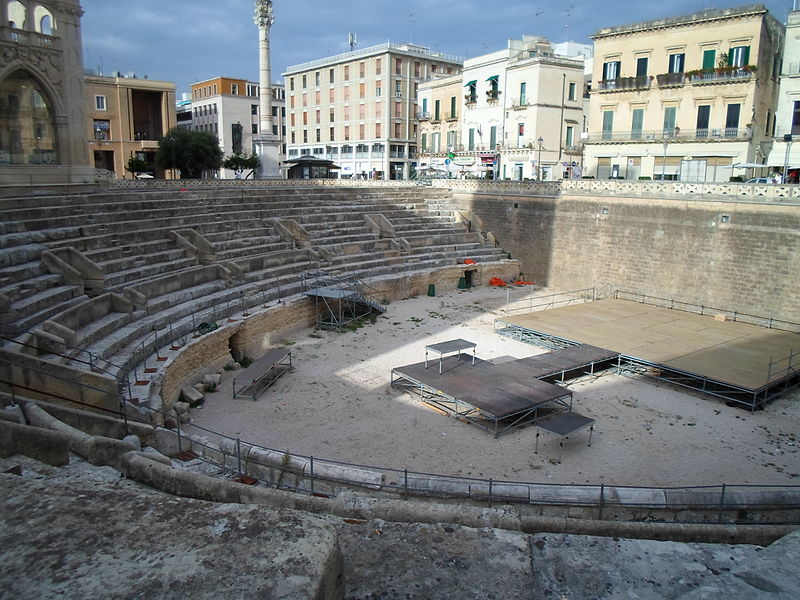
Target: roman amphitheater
{"x":223,"y":388}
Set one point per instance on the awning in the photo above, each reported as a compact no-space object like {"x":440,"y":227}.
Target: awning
{"x":473,"y":82}
{"x":747,"y":165}
{"x":493,"y":78}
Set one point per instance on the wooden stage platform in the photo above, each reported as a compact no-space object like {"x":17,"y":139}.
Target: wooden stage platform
{"x":719,"y":353}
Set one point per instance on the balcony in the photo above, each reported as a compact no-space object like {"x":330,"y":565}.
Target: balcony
{"x":423,"y":116}
{"x":519,"y":103}
{"x":721,"y":75}
{"x":729,"y":134}
{"x":471,"y":99}
{"x":492,"y":96}
{"x":625,"y":84}
{"x":451,"y":117}
{"x":665,"y":80}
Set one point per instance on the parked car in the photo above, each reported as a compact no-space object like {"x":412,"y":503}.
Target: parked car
{"x":759,"y":180}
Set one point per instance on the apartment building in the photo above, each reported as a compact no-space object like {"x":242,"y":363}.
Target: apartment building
{"x":230,"y":109}
{"x":127,"y":116}
{"x":785,"y":155}
{"x":359,"y":108}
{"x":517,"y":115}
{"x":684,"y":98}
{"x":441,"y":106}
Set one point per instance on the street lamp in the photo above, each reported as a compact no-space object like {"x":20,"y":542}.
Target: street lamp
{"x":664,"y":164}
{"x":788,"y":139}
{"x":540,"y":141}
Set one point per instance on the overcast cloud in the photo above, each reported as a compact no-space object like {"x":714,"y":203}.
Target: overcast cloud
{"x":190,"y":40}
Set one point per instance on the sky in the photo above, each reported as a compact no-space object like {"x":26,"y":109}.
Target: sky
{"x":185,"y":41}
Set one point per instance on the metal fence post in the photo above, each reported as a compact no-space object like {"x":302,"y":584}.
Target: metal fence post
{"x":405,"y":480}
{"x":312,"y":474}
{"x":721,"y":503}
{"x":239,"y":455}
{"x":602,"y":501}
{"x":490,"y":491}
{"x":178,"y":430}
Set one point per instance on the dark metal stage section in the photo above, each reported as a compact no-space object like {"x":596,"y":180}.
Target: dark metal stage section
{"x":495,"y":397}
{"x":569,"y":362}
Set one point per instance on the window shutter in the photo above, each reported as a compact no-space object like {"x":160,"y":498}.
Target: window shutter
{"x":746,"y":55}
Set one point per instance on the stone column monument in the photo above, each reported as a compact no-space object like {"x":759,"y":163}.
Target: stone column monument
{"x":267,"y":144}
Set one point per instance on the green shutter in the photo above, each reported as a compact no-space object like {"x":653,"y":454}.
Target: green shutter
{"x":452,"y":107}
{"x":708,"y":58}
{"x":746,"y":58}
{"x":424,"y":142}
{"x":638,"y":120}
{"x":669,"y":119}
{"x":493,"y":137}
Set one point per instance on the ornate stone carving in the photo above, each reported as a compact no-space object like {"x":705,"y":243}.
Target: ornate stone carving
{"x":264,"y":15}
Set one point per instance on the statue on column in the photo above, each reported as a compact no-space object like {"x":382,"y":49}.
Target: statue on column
{"x":265,"y":18}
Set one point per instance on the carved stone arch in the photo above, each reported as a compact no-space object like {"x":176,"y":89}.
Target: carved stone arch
{"x":40,"y":11}
{"x":35,"y":134}
{"x":54,"y":96}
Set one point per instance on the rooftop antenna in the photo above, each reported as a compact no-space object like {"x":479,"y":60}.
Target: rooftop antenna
{"x":413,"y":23}
{"x":352,"y":39}
{"x":570,"y":8}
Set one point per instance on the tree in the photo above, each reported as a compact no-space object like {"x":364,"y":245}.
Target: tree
{"x":239,"y":162}
{"x":136,"y":166}
{"x":191,"y":152}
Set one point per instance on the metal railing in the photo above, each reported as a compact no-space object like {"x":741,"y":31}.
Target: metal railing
{"x":724,"y":134}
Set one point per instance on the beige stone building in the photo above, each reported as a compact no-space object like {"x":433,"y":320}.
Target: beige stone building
{"x":359,"y":108}
{"x":785,"y":156}
{"x":684,"y":98}
{"x":42,"y":106}
{"x":441,"y":104}
{"x":512,"y":114}
{"x":230,"y":109}
{"x":126,"y":118}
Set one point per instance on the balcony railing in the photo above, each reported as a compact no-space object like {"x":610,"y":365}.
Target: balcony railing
{"x":682,"y":135}
{"x":33,"y":38}
{"x":423,"y":116}
{"x":721,"y":75}
{"x":471,"y":98}
{"x":620,"y":84}
{"x":670,"y":79}
{"x":519,"y":103}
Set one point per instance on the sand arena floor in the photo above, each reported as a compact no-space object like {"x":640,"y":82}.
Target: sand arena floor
{"x":338,"y":404}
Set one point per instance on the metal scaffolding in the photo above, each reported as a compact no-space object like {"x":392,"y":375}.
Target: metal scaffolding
{"x":340,"y":300}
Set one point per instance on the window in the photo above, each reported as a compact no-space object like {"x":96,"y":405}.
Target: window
{"x":291,"y":84}
{"x":520,"y":134}
{"x":398,"y":130}
{"x":398,"y":66}
{"x":453,"y":114}
{"x":234,"y":89}
{"x":435,"y":142}
{"x":331,"y":76}
{"x":416,"y":69}
{"x":637,"y":119}
{"x":437,"y":115}
{"x":305,"y":118}
{"x":377,"y":66}
{"x":305,"y":99}
{"x":316,"y":79}
{"x":332,"y":133}
{"x":451,"y":140}
{"x":362,"y":69}
{"x":669,"y":120}
{"x":703,"y":117}
{"x":332,"y":95}
{"x":676,"y":62}
{"x":641,"y":66}
{"x":796,"y":119}
{"x":362,"y":111}
{"x":319,"y":135}
{"x":732,"y":120}
{"x":102,"y":129}
{"x":569,"y":139}
{"x":377,"y":130}
{"x":292,"y":137}
{"x":317,"y":116}
{"x":739,"y":56}
{"x":424,"y":142}
{"x":347,"y":72}
{"x":378,"y":89}
{"x":347,"y":151}
{"x":608,"y":124}
{"x":398,"y":89}
{"x":305,"y":82}
{"x":611,"y":70}
{"x":254,"y":110}
{"x":362,"y":131}
{"x":471,"y":143}
{"x":305,"y":136}
{"x":254,"y":129}
{"x":347,"y":133}
{"x":100,"y":102}
{"x":493,"y":137}
{"x":398,"y":109}
{"x":362,"y":90}
{"x":424,"y":105}
{"x":252,"y":90}
{"x":709,"y":59}
{"x":472,"y":92}
{"x":573,"y":91}
{"x":523,"y":92}
{"x":378,"y":110}
{"x":332,"y":116}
